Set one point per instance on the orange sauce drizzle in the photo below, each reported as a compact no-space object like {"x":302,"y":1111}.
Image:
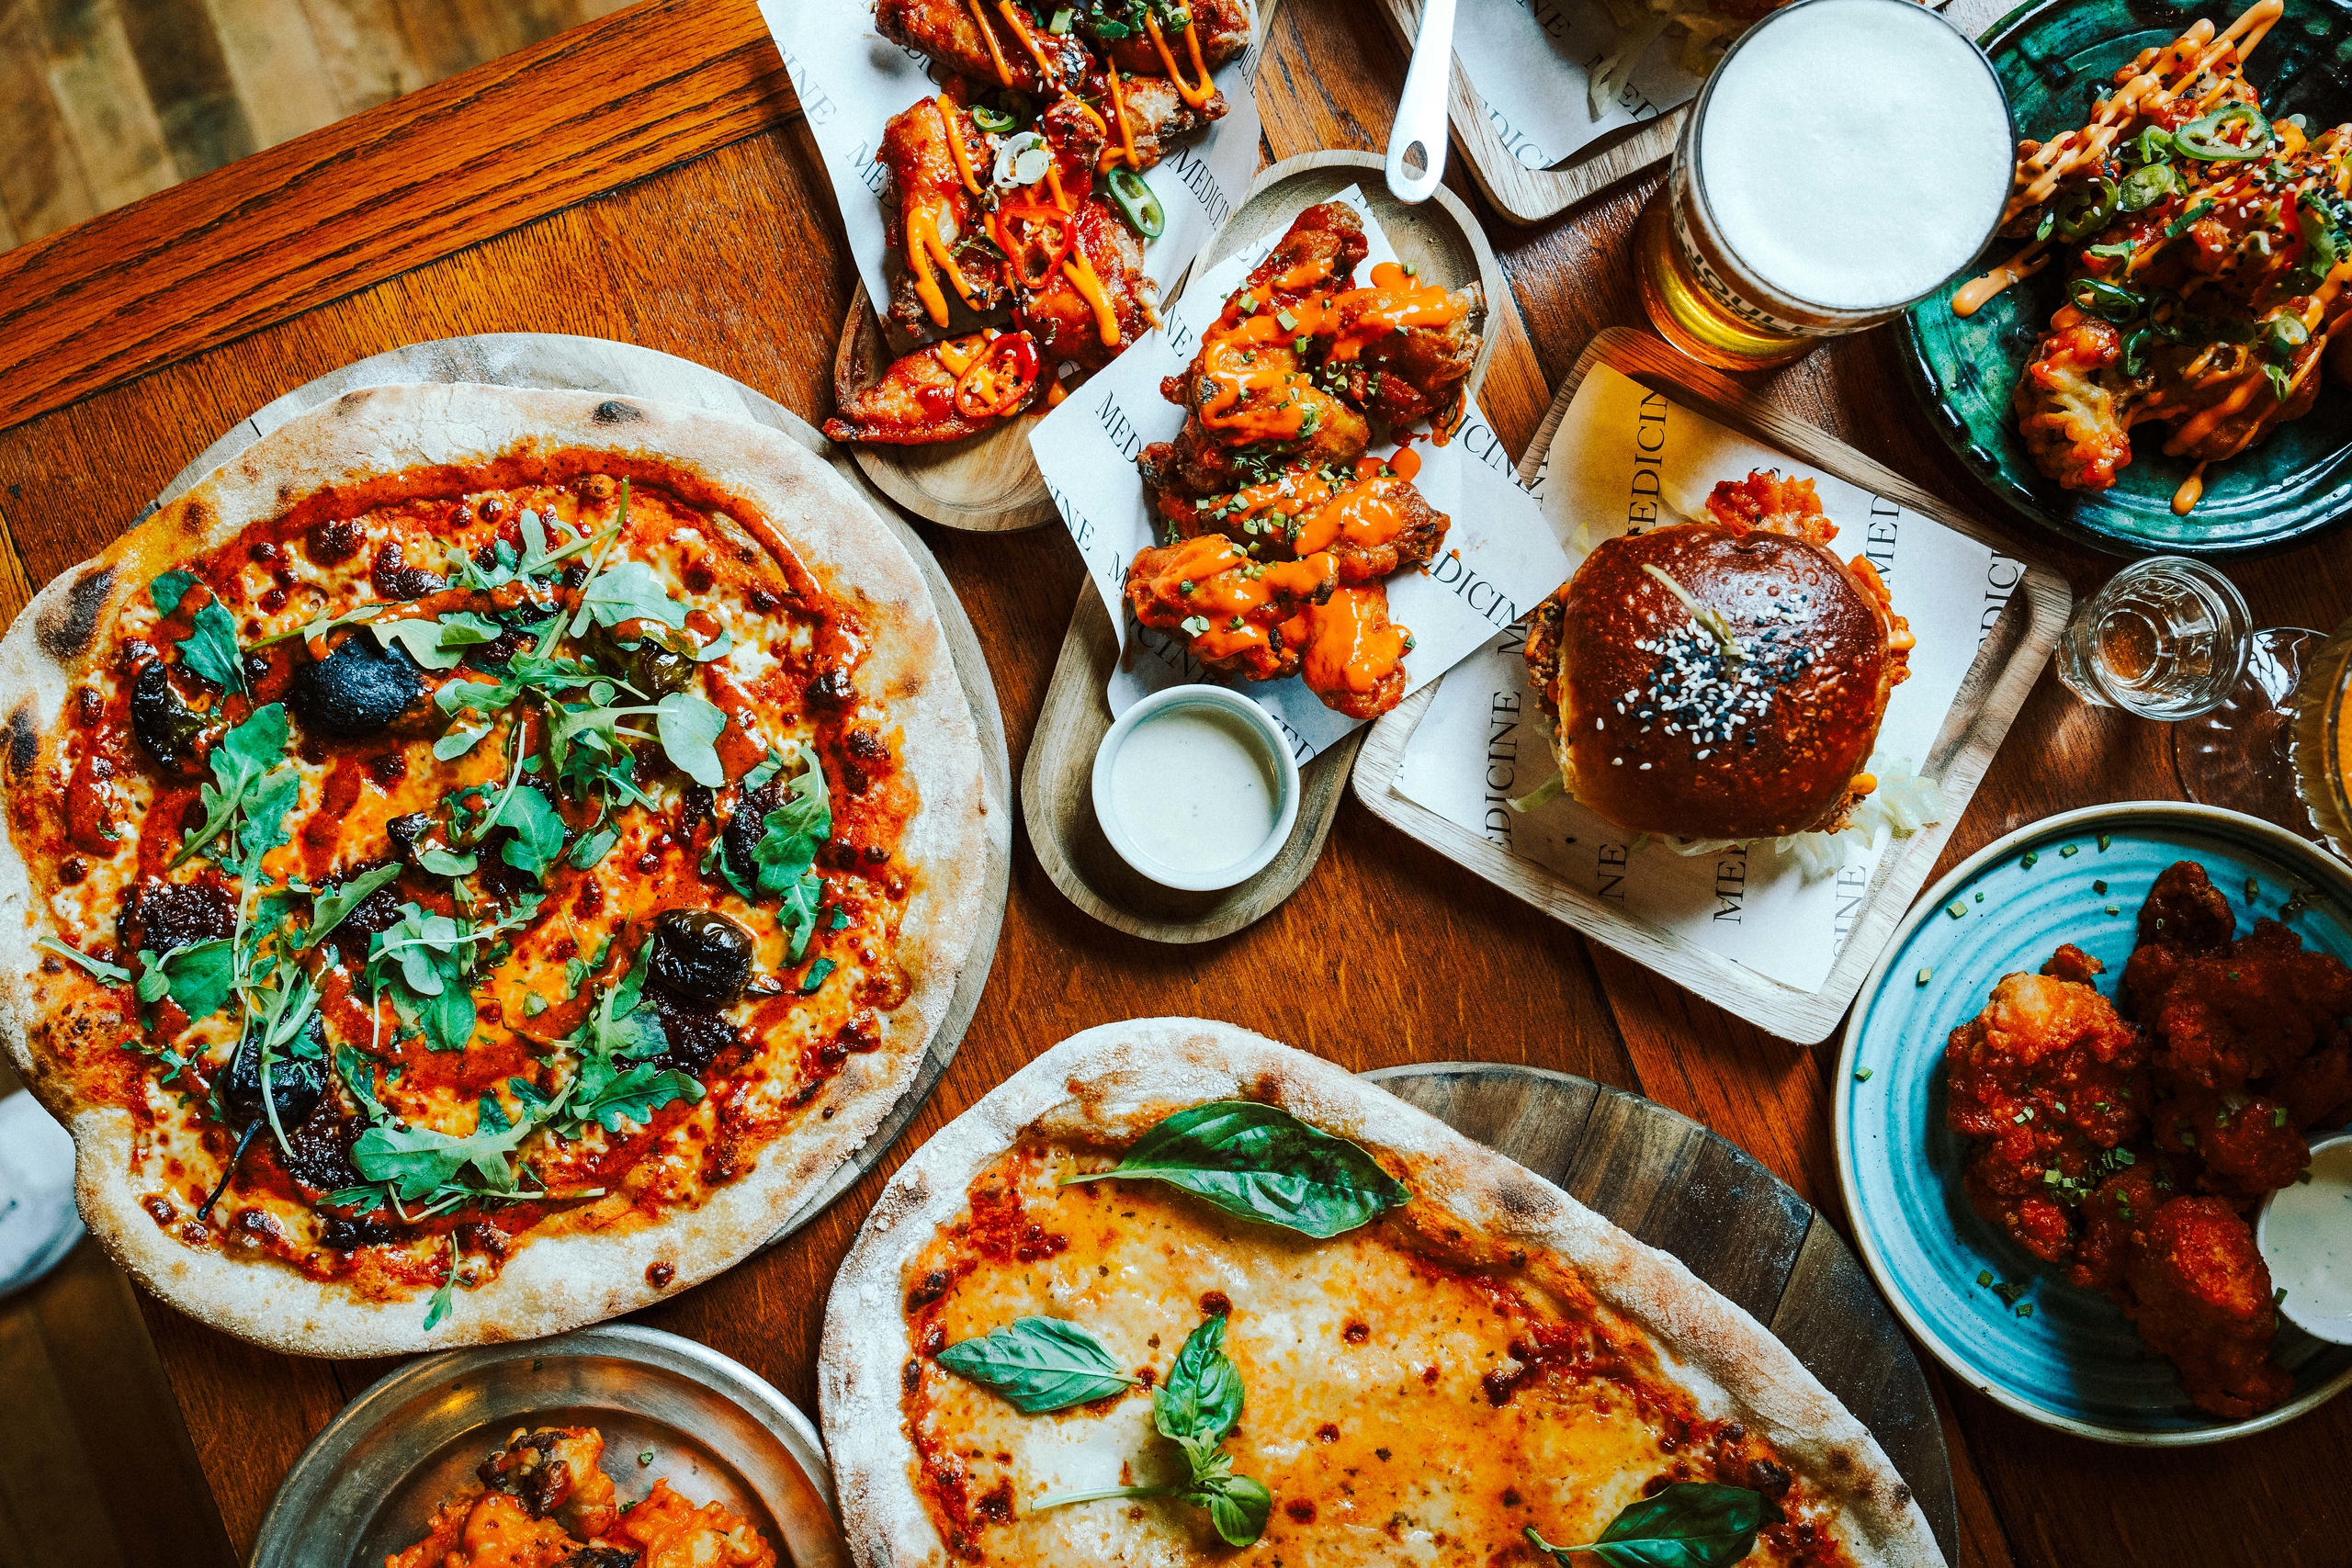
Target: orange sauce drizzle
{"x":1198,"y":96}
{"x":1047,"y":71}
{"x":2191,"y":491}
{"x":1081,"y":273}
{"x":1127,"y":148}
{"x":1053,"y":179}
{"x":948,"y":112}
{"x":957,"y":353}
{"x":1250,"y":350}
{"x":996,"y":55}
{"x":1365,"y":512}
{"x":1350,"y":643}
{"x":923,"y":248}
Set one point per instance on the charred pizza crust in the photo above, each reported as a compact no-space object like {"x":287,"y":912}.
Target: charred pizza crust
{"x":1111,"y":1083}
{"x":792,"y":502}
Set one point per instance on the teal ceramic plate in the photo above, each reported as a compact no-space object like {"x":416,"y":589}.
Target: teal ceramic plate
{"x":2052,"y":60}
{"x":2071,"y":1362}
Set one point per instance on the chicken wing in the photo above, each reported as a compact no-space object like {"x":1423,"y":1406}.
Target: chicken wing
{"x":1236,"y":613}
{"x":1372,"y":522}
{"x":917,"y":401}
{"x":935,"y":157}
{"x":988,"y":40}
{"x":2200,"y":1293}
{"x":1402,"y":350}
{"x":2252,"y":1010}
{"x":1220,"y":29}
{"x":1355,"y":658}
{"x":1097,"y":300}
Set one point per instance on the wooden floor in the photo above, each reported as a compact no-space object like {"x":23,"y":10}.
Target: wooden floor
{"x":104,"y":101}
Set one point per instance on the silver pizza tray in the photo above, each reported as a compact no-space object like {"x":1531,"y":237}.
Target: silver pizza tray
{"x":670,"y":1409}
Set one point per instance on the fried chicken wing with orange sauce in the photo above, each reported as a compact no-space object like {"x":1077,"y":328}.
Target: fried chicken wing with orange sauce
{"x":1354,"y":656}
{"x":1142,"y":117}
{"x":1371,"y":520}
{"x":941,"y":393}
{"x":932,"y":218}
{"x":2046,"y":1079}
{"x":1097,"y":300}
{"x":1221,"y":28}
{"x":1772,"y":502}
{"x":995,"y":41}
{"x":2196,"y":1288}
{"x":1235,"y":613}
{"x":1403,"y":351}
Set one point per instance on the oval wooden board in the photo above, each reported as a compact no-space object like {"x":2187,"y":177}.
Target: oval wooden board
{"x":983,"y":484}
{"x":552,"y":361}
{"x":1684,"y":1189}
{"x":1441,"y":240}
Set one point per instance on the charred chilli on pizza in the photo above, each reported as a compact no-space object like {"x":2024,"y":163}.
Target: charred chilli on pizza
{"x":518,"y":870}
{"x":1017,"y":202}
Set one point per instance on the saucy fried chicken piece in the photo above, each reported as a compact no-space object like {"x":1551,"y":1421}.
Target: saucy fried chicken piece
{"x":554,"y":1472}
{"x":917,"y":399}
{"x":932,"y":218}
{"x":1220,"y":28}
{"x":1402,"y":350}
{"x":2184,"y":913}
{"x":1098,"y":301}
{"x":2248,"y":1144}
{"x":2317,"y":1090}
{"x":2200,"y":1293}
{"x":1141,"y":115}
{"x":2251,"y":1011}
{"x":1233,"y":610}
{"x":988,"y":40}
{"x":2070,"y":962}
{"x":1355,"y":656}
{"x":2047,"y":1078}
{"x":1242,"y":411}
{"x":2070,"y":404}
{"x":2113,"y":1217}
{"x":673,"y":1533}
{"x":1374,"y":522}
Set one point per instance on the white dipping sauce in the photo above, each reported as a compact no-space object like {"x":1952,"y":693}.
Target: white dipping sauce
{"x":2307,"y":1241}
{"x":1194,"y":788}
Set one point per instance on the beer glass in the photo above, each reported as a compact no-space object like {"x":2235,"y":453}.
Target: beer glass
{"x":2280,"y":746}
{"x":1844,"y":158}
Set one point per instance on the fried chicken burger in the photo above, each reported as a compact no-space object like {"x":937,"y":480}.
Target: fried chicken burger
{"x":1721,"y":679}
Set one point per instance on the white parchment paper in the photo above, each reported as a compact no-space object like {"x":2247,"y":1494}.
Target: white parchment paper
{"x":1499,"y":559}
{"x":1530,"y":62}
{"x":852,"y":80}
{"x":1621,"y":457}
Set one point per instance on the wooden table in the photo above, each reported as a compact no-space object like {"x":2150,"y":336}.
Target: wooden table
{"x":645,"y":178}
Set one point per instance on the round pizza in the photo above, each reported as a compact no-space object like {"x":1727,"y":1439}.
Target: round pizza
{"x":1175,"y":1292}
{"x":478,"y":862}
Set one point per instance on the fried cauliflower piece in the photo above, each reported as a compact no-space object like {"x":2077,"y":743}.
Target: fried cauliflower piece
{"x":2249,"y":1012}
{"x":2046,"y":1079}
{"x":675,"y":1534}
{"x":2070,"y":403}
{"x":2200,"y":1293}
{"x":1772,"y":502}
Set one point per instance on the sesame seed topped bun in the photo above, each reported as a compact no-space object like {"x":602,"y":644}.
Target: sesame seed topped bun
{"x":1720,"y":679}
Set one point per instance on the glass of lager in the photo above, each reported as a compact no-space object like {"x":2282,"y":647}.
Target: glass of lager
{"x":1845,"y":158}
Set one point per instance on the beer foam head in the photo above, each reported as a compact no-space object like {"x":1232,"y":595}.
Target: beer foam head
{"x":1855,"y":153}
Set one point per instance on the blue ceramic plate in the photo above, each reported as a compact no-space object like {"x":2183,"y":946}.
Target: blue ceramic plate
{"x":2052,"y":59}
{"x":2073,"y":1363}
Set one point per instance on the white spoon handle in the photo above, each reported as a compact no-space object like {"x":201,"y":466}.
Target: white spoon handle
{"x":1420,"y":112}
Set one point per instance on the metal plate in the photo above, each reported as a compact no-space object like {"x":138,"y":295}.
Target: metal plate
{"x":557,"y":362}
{"x":367,"y":1486}
{"x":2075,"y":1365}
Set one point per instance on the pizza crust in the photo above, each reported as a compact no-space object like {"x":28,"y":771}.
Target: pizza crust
{"x":1115,"y":1082}
{"x":560,"y":1282}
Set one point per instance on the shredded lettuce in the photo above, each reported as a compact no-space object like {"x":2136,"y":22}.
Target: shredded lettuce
{"x":1902,"y":804}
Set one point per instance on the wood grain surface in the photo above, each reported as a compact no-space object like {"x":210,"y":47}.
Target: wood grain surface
{"x":663,"y":199}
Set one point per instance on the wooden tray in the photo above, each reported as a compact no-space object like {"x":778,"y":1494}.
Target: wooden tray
{"x":1057,"y":778}
{"x":1528,"y":196}
{"x":2009,"y":661}
{"x":554,"y":361}
{"x":1734,"y":1223}
{"x":983,"y":484}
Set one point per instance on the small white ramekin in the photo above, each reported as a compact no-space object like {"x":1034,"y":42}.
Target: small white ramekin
{"x":2332,"y":1330}
{"x":1269,"y":735}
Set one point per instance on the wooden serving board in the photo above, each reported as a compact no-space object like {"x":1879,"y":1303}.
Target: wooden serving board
{"x":553,"y":361}
{"x":1057,"y":778}
{"x":1528,"y":196}
{"x":1685,"y":1190}
{"x":2008,"y":660}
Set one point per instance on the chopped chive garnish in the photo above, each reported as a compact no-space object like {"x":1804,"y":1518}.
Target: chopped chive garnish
{"x":2252,"y":889}
{"x":1980,"y":895}
{"x":1957,"y":911}
{"x":1862,"y":1075}
{"x":1985,"y":1276}
{"x":2100,"y":887}
{"x":2025,"y":1309}
{"x":2115,"y":908}
{"x":1924,"y":975}
{"x":2104,"y":840}
{"x":645,"y":1456}
{"x":2028,"y":858}
{"x":2068,"y":852}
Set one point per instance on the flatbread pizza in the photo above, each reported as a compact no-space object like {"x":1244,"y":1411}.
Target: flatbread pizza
{"x":1175,"y":1293}
{"x":478,"y":862}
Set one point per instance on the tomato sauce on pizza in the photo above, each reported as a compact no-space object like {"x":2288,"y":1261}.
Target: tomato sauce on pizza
{"x":463,"y":857}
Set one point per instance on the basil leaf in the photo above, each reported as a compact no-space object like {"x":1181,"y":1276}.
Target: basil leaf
{"x":199,"y":977}
{"x":1692,"y":1524}
{"x":1238,"y":1506}
{"x":331,"y":908}
{"x":112,"y":974}
{"x":210,"y":649}
{"x":168,"y":589}
{"x":1038,"y":1364}
{"x":689,"y":725}
{"x":1202,"y":1398}
{"x":1261,"y":1163}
